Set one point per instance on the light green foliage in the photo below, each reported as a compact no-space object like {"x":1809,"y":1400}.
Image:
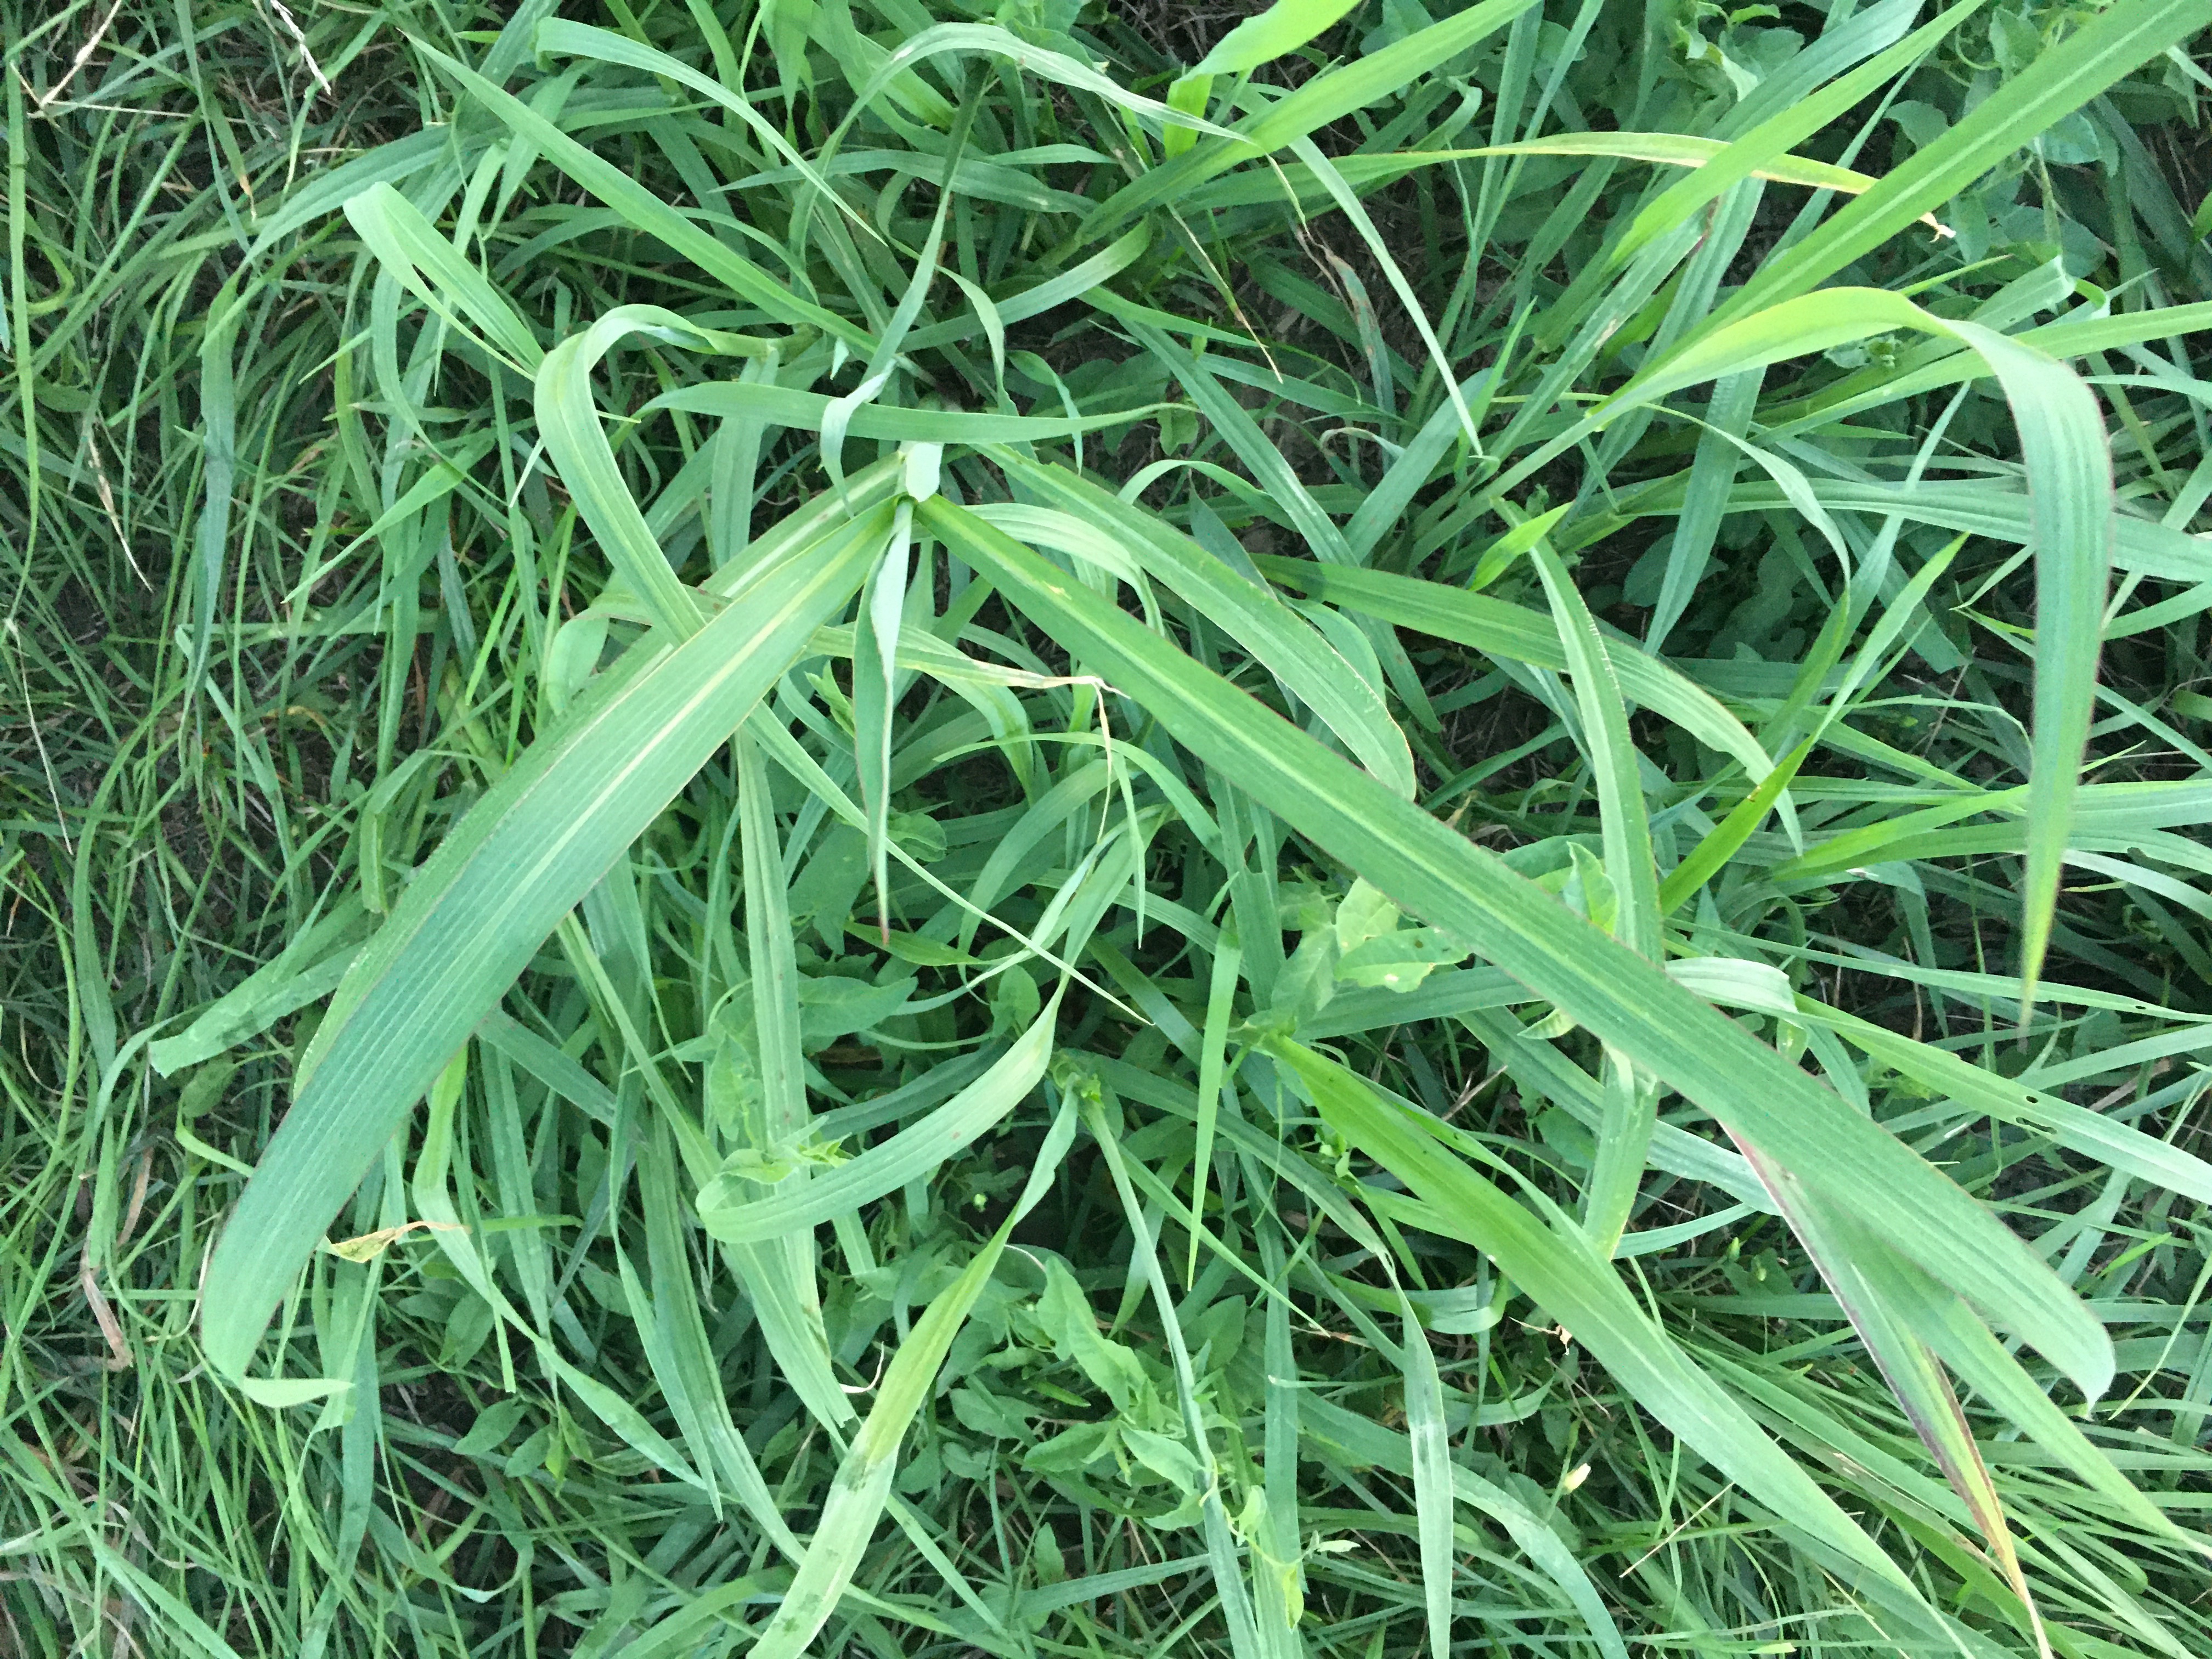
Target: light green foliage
{"x":1088,"y":827}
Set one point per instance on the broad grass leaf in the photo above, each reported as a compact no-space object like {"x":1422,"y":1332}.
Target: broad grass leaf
{"x":1712,"y":853}
{"x":1683,"y":150}
{"x":1265,"y":36}
{"x":280,"y":1393}
{"x":557,"y":35}
{"x":308,"y":969}
{"x":1036,"y":298}
{"x":682,"y":1351}
{"x":474,"y":914}
{"x":2116,"y":1144}
{"x":1349,"y":205}
{"x":1041,"y":61}
{"x":807,"y":412}
{"x":1623,"y":822}
{"x":779,"y":1272}
{"x":319,"y":195}
{"x":1626,"y":1000}
{"x":1432,"y":1475}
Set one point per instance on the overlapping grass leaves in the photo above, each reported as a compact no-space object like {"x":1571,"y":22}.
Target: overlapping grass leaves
{"x":760,"y":957}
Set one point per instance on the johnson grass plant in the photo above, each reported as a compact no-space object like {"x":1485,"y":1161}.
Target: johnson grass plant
{"x":854,"y":826}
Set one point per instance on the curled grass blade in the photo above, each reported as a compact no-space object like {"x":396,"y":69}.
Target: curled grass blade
{"x":908,"y":1156}
{"x":2074,"y":530}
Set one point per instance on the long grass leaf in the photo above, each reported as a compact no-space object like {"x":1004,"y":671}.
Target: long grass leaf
{"x":2093,"y":56}
{"x":477,"y":911}
{"x":1627,"y":1001}
{"x":1568,"y":1279}
{"x":863,"y":1484}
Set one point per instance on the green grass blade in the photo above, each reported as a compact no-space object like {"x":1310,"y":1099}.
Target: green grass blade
{"x":1771,"y":140}
{"x":1349,"y":205}
{"x":477,"y":911}
{"x":647,"y":211}
{"x":788,"y":406}
{"x":558,"y":35}
{"x":781,"y":1272}
{"x":568,"y":420}
{"x":1252,"y":447}
{"x":875,"y":696}
{"x":1220,"y":1002}
{"x":1265,"y":36}
{"x":2073,"y":530}
{"x":1520,"y":634}
{"x":218,"y":413}
{"x":410,"y":248}
{"x":1622,"y":820}
{"x":1327,"y":97}
{"x":1568,"y":1280}
{"x":2059,"y":81}
{"x":677,"y":1309}
{"x":1286,"y":643}
{"x":728,"y":1214}
{"x":1370,"y":1443}
{"x":1860,"y":1272}
{"x":863,"y":1484}
{"x":1712,"y":854}
{"x":1432,"y":1476}
{"x":2115,"y":1145}
{"x":1433,"y":872}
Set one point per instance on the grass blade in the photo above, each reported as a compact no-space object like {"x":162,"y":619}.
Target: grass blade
{"x":728,"y":1214}
{"x":1567,"y":1279}
{"x":475,"y":915}
{"x":1624,"y":1000}
{"x":863,"y":1485}
{"x":2060,"y":81}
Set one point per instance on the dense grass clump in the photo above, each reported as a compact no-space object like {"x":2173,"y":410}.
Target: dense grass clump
{"x":1099,"y":827}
